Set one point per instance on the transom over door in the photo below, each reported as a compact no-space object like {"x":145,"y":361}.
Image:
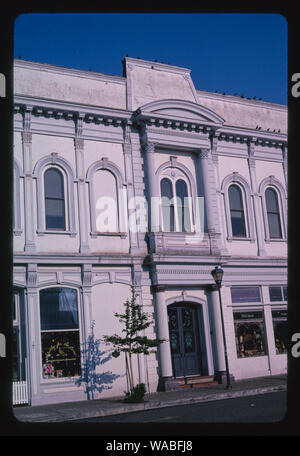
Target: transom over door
{"x":184,"y":340}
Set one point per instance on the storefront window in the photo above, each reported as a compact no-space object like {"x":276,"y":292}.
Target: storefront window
{"x":280,"y":330}
{"x":60,"y":333}
{"x":249,"y":334}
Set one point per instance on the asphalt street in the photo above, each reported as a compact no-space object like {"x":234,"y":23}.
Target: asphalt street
{"x":263,"y":408}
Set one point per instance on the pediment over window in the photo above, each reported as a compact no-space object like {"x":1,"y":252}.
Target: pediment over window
{"x":179,"y":110}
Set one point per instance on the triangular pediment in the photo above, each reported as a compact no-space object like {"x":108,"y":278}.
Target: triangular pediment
{"x":181,"y":110}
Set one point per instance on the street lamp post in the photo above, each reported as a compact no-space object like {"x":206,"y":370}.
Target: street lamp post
{"x":217,"y":274}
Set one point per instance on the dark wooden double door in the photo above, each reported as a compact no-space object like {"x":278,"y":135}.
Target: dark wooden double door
{"x":184,"y":340}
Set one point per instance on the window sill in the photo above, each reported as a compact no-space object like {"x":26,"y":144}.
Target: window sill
{"x":43,"y":232}
{"x":268,"y":241}
{"x":112,"y":234}
{"x":236,"y":238}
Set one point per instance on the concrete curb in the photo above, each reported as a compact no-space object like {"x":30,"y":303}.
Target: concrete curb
{"x":61,"y":415}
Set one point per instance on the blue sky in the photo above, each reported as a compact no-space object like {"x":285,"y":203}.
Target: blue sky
{"x":232,"y":53}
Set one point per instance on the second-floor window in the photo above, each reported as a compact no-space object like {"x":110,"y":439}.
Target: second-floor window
{"x":175,"y":205}
{"x":237,"y":215}
{"x":273,"y":214}
{"x":54,"y":199}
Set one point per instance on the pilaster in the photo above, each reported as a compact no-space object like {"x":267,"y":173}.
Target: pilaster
{"x":81,"y":186}
{"x":30,"y":246}
{"x":255,"y":198}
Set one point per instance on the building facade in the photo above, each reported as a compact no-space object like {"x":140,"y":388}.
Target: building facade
{"x":87,"y":142}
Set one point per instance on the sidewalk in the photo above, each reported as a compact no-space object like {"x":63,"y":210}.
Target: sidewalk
{"x":114,"y":406}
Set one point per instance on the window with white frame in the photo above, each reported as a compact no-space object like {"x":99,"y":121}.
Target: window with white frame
{"x":274,"y":209}
{"x":273,"y":213}
{"x":60,"y":334}
{"x":54,"y":194}
{"x":106,"y":201}
{"x":175,"y":205}
{"x":237,"y":215}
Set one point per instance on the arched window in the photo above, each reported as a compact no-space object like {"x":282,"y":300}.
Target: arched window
{"x":60,"y":338}
{"x":167,"y":204}
{"x":273,"y":214}
{"x":175,"y":204}
{"x":54,"y":199}
{"x":106,"y":200}
{"x":237,"y":215}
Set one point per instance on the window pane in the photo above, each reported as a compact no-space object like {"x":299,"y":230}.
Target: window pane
{"x":55,"y":213}
{"x":58,"y":308}
{"x":245,"y":294}
{"x":274,"y":225}
{"x":285,"y":292}
{"x":271,"y":200}
{"x":61,"y":354}
{"x":181,"y":190}
{"x":235,"y":198}
{"x":166,"y":188}
{"x":54,"y":187}
{"x":238,"y":223}
{"x":275,"y":293}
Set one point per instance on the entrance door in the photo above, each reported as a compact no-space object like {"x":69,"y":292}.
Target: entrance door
{"x":184,"y":340}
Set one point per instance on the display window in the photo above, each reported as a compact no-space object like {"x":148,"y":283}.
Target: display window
{"x":60,"y":338}
{"x":279,"y":318}
{"x":249,"y":334}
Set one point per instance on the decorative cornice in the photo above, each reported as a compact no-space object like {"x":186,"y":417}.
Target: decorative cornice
{"x":70,"y":111}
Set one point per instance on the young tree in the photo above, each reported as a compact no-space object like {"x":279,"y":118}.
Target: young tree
{"x":133,"y":342}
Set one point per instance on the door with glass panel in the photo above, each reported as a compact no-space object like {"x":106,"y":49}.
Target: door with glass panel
{"x":184,"y":340}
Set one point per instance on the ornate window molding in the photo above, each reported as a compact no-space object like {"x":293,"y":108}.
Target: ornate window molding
{"x":175,"y":172}
{"x":275,"y":184}
{"x":240,"y":181}
{"x":17,"y":229}
{"x":105,"y":164}
{"x":54,"y":161}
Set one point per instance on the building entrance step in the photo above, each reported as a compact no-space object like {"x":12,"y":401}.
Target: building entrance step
{"x":196,"y":381}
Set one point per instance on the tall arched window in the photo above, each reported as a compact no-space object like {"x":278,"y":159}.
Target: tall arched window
{"x":166,"y":189}
{"x":237,"y":215}
{"x":273,"y":214}
{"x":54,"y":199}
{"x":106,"y":201}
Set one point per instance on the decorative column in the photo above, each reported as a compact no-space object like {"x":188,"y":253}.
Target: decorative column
{"x":127,"y":148}
{"x":166,"y":380}
{"x":216,"y":333}
{"x":81,"y":187}
{"x":33,"y":334}
{"x":153,"y":190}
{"x":221,"y":220}
{"x":256,"y":198}
{"x":28,"y":182}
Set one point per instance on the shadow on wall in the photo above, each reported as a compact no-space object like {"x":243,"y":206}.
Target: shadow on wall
{"x":93,"y":356}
